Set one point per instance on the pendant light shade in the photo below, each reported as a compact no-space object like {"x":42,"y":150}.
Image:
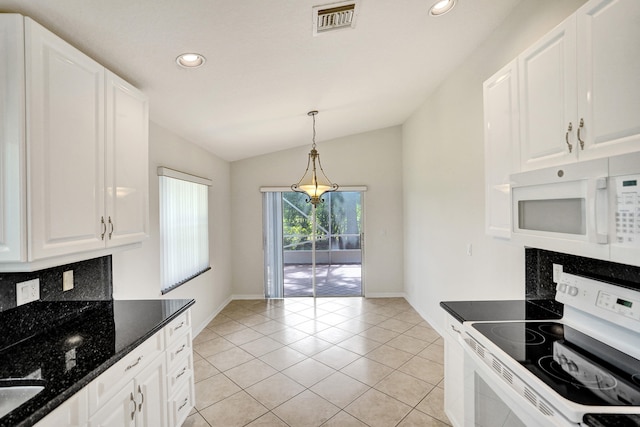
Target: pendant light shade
{"x":314,"y":183}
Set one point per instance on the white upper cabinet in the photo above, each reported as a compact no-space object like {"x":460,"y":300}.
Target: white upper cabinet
{"x":580,"y":87}
{"x":65,"y":142}
{"x":548,"y":99}
{"x":74,"y":151}
{"x":127,"y":183}
{"x":12,"y":140}
{"x":501,"y":154}
{"x":608,"y":77}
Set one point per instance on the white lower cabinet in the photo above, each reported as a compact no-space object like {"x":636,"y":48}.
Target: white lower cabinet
{"x":151,"y":386}
{"x":74,"y":412}
{"x":139,"y":403}
{"x":180,"y":383}
{"x":453,"y":373}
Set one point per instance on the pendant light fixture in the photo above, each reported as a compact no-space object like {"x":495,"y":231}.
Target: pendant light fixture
{"x":312,"y":183}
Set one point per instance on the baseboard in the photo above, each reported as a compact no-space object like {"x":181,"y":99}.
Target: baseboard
{"x":434,"y":324}
{"x":217,"y":311}
{"x":239,"y":297}
{"x":385,"y":295}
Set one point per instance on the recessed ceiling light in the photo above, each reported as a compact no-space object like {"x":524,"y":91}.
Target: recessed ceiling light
{"x":191,"y":60}
{"x":441,"y":7}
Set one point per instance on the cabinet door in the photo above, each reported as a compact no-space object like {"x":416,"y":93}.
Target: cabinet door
{"x":609,"y":77}
{"x":548,"y":99}
{"x":127,"y":177}
{"x":12,"y":140}
{"x":120,"y":411}
{"x":151,"y":394}
{"x":72,"y":413}
{"x":65,"y":143}
{"x":501,"y":147}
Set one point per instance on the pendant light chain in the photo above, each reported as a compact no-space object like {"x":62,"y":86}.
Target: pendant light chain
{"x":313,"y":116}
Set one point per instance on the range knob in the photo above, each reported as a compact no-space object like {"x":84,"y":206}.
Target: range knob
{"x":562,"y":287}
{"x":573,"y":291}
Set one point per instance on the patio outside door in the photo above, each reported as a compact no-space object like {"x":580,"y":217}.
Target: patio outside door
{"x":291,"y":257}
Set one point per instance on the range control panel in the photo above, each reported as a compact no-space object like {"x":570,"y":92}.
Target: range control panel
{"x":613,"y":303}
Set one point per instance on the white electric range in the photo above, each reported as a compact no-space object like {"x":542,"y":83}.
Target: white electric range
{"x":581,"y":370}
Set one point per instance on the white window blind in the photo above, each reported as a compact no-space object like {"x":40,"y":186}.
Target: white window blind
{"x":184,"y":227}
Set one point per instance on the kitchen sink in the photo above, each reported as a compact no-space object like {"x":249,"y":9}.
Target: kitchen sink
{"x":15,"y":392}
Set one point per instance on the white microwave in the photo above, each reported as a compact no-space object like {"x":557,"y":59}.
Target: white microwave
{"x":589,"y":208}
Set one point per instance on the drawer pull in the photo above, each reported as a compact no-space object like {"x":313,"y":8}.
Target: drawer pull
{"x":186,"y":400}
{"x":181,"y":349}
{"x":457,"y":331}
{"x":184,"y":371}
{"x":179,"y":326}
{"x":133,"y":364}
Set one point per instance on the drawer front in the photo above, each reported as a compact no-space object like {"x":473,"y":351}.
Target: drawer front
{"x":454,"y":328}
{"x":178,"y":327}
{"x":178,"y":351}
{"x":180,"y":376}
{"x":111,"y":382}
{"x":181,"y":403}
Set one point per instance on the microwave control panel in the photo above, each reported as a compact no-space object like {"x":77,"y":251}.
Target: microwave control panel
{"x":627,"y":212}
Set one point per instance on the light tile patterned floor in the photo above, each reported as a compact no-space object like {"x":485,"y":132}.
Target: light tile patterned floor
{"x":301,"y":362}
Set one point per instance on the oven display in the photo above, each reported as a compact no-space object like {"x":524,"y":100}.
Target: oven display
{"x":624,"y":302}
{"x":630,"y":183}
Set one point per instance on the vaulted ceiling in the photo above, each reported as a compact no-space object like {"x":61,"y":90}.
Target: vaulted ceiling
{"x":265,"y":69}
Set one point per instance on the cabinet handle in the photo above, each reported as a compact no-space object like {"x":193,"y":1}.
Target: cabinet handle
{"x":110,"y":232}
{"x":179,"y":326}
{"x":181,"y":349}
{"x":133,"y":413}
{"x":142,"y":400}
{"x":186,"y":400}
{"x":566,"y":137}
{"x":104,"y":228}
{"x":454,"y":329}
{"x":184,"y":371}
{"x":133,"y":364}
{"x":579,"y":139}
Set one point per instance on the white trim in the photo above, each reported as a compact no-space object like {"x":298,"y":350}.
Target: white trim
{"x":204,"y":324}
{"x":386,"y":295}
{"x":236,"y":297}
{"x":171,"y":173}
{"x":341,"y":188}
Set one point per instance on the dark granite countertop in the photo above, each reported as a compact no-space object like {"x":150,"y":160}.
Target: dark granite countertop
{"x":501,"y":310}
{"x":65,"y":352}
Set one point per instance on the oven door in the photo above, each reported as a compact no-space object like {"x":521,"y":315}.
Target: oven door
{"x":490,"y":402}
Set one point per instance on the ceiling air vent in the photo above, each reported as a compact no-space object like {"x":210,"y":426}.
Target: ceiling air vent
{"x":333,"y":17}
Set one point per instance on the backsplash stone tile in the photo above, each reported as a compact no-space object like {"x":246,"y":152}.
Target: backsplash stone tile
{"x":92,"y":281}
{"x":539,"y":271}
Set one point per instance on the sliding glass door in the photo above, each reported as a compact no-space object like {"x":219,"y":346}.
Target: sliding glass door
{"x":313,"y":253}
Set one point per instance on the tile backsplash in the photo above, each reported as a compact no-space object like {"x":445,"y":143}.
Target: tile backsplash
{"x":92,"y":281}
{"x":539,"y":271}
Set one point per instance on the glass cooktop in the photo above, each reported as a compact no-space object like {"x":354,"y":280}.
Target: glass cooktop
{"x":574,"y":365}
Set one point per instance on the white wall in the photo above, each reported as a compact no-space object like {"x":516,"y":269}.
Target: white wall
{"x":136,"y":273}
{"x":373,"y":159}
{"x":444,"y":177}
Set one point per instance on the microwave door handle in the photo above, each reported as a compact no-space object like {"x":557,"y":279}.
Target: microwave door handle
{"x":600,"y":211}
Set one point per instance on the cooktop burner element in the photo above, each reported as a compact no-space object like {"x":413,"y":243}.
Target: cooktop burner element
{"x":557,"y":355}
{"x":517,"y":335}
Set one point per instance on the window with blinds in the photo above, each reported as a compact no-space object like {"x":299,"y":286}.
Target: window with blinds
{"x":184,"y":227}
